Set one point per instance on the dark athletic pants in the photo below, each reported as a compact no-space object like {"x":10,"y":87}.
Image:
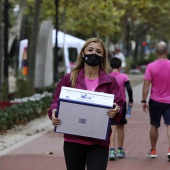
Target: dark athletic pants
{"x":77,"y":156}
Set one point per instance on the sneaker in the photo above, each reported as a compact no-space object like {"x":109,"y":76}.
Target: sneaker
{"x":112,"y":155}
{"x":152,"y":153}
{"x":120,"y":153}
{"x":168,"y":154}
{"x":128,"y":115}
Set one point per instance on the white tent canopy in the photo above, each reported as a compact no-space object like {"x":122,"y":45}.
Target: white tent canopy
{"x":64,"y":41}
{"x":70,"y":40}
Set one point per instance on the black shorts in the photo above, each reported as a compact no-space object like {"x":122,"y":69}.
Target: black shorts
{"x":123,"y":119}
{"x":157,"y":110}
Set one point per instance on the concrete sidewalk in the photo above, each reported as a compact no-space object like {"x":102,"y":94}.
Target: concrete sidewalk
{"x":37,"y":147}
{"x":23,"y":134}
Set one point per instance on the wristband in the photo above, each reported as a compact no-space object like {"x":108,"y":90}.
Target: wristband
{"x":143,"y":101}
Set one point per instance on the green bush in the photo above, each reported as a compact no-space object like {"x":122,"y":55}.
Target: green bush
{"x":24,"y":89}
{"x":5,"y":90}
{"x":22,"y":113}
{"x":129,"y":63}
{"x":47,"y":89}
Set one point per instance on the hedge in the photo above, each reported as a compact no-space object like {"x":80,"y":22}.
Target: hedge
{"x":22,"y":113}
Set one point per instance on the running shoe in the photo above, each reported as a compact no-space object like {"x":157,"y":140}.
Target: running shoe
{"x":152,"y":153}
{"x":168,"y":154}
{"x":128,"y":115}
{"x":112,"y":155}
{"x":120,"y":153}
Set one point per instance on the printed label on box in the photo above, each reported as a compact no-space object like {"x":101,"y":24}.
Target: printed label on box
{"x":86,"y":96}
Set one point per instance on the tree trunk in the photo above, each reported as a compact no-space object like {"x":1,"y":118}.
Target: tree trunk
{"x":32,"y":44}
{"x":14,"y":32}
{"x":56,"y":60}
{"x":6,"y":54}
{"x":1,"y":48}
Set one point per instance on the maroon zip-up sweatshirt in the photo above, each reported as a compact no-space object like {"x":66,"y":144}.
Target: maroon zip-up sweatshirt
{"x":107,"y":84}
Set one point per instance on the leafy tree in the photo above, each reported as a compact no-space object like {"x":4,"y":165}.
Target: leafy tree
{"x":102,"y":18}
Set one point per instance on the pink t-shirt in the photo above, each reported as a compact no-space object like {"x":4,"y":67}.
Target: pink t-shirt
{"x":121,"y":79}
{"x":91,"y":85}
{"x":158,"y":73}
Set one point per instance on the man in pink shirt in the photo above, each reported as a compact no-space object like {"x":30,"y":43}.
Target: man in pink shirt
{"x":157,"y":77}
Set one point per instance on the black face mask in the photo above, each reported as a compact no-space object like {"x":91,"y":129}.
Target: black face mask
{"x":92,"y":59}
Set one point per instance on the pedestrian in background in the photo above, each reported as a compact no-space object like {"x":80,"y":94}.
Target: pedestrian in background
{"x":120,"y":55}
{"x":123,"y":82}
{"x":157,"y":77}
{"x":90,"y":73}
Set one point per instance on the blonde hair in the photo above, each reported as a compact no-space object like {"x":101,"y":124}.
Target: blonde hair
{"x":80,"y":60}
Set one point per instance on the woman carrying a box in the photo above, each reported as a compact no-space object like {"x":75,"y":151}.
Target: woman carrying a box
{"x":90,"y":73}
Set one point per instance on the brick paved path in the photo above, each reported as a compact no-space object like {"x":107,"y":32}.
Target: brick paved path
{"x":45,"y":152}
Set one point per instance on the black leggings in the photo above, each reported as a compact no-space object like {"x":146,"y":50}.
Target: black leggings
{"x":77,"y":156}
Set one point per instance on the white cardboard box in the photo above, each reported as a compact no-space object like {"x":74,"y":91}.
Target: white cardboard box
{"x":84,"y":113}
